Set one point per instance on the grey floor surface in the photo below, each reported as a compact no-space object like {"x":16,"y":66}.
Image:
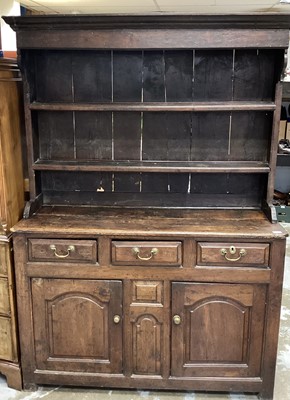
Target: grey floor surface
{"x":282,"y":382}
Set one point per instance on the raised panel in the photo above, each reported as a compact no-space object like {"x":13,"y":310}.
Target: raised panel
{"x":221,"y":329}
{"x":147,"y":333}
{"x":74,"y":327}
{"x":4,"y":248}
{"x":147,"y":292}
{"x":72,"y":337}
{"x":6,"y":347}
{"x":217,"y":341}
{"x":4,"y":297}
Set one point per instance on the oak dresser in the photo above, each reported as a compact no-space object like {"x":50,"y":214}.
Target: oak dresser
{"x":149,"y":255}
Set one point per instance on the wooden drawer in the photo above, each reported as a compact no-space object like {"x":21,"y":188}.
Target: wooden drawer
{"x":146,"y":253}
{"x":59,"y":250}
{"x":233,"y":254}
{"x":4,"y":297}
{"x":6,"y":347}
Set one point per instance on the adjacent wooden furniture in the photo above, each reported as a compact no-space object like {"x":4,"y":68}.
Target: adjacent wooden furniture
{"x":146,"y":257}
{"x":11,"y":209}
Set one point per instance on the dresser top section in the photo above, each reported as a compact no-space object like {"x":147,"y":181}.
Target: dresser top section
{"x":147,"y":21}
{"x":92,"y":221}
{"x":153,"y":31}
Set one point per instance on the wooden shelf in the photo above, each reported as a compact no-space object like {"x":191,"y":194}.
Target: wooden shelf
{"x":155,"y":166}
{"x":166,"y":106}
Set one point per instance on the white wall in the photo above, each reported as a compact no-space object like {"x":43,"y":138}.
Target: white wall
{"x":8,"y":37}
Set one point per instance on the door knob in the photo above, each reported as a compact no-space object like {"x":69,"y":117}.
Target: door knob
{"x":177,"y":319}
{"x":116,"y":319}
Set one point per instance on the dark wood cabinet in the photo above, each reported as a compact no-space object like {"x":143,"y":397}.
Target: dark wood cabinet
{"x":149,"y":254}
{"x":11,"y":209}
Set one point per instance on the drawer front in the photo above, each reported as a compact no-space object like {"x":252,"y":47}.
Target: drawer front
{"x":4,"y":297}
{"x":6,"y":347}
{"x":59,"y":250}
{"x":146,"y":253}
{"x":233,"y":254}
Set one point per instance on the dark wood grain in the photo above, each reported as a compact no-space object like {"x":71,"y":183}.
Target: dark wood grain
{"x":213,"y":199}
{"x":53,"y":76}
{"x":255,"y":74}
{"x":91,"y":74}
{"x":167,"y":39}
{"x":166,"y":136}
{"x":153,"y":76}
{"x":250,"y":136}
{"x":154,"y":183}
{"x":56,"y":135}
{"x":127,"y":76}
{"x":273,"y":20}
{"x":213,"y":75}
{"x":209,"y":133}
{"x":76,"y":181}
{"x":178,"y":75}
{"x":93,"y":135}
{"x":127,"y":136}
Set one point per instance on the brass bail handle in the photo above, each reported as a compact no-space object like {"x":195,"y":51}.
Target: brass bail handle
{"x":69,"y":250}
{"x":233,"y":250}
{"x":136,"y":252}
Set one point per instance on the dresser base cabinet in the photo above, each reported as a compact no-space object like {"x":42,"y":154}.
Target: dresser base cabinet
{"x":188,"y":325}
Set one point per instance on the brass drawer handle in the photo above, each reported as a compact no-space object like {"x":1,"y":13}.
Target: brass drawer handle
{"x":69,"y":249}
{"x":177,"y":319}
{"x":233,"y":250}
{"x":136,"y":252}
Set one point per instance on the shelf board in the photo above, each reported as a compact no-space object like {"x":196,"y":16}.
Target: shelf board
{"x":166,"y":106}
{"x":154,"y":166}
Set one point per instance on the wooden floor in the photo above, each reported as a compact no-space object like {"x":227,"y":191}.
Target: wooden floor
{"x":282,"y":383}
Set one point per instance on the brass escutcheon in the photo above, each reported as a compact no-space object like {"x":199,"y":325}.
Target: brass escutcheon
{"x":233,"y":250}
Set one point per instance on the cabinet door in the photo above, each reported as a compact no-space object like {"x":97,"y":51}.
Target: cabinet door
{"x":220,"y":329}
{"x":76,"y":325}
{"x":147,"y":337}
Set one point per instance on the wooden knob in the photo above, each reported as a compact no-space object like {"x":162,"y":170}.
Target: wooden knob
{"x":177,"y":319}
{"x":116,"y":319}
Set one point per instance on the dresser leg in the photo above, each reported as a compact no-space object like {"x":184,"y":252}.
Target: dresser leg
{"x":12,"y":372}
{"x":266,"y":395}
{"x":31,"y":387}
